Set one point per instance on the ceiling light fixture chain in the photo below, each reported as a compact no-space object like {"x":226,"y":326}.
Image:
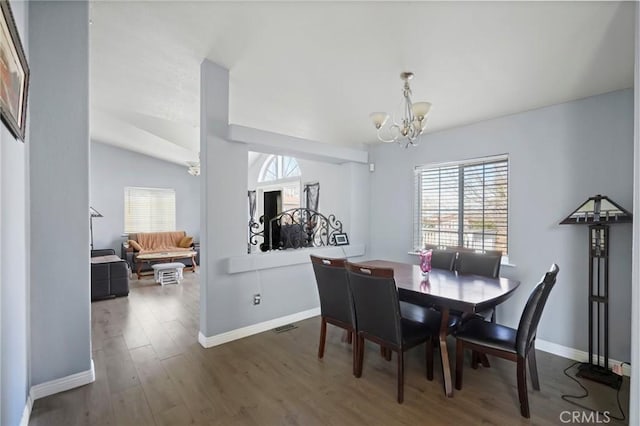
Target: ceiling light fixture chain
{"x":408,"y":129}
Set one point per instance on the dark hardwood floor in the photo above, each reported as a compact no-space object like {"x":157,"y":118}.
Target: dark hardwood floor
{"x":150,"y":370}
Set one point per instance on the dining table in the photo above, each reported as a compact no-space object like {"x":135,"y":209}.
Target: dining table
{"x":447,"y":290}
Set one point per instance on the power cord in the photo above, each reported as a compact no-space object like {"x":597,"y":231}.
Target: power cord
{"x":586,"y":394}
{"x":344,"y":252}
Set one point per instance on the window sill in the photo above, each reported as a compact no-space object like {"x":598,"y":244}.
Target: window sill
{"x":281,"y":258}
{"x":503,"y":262}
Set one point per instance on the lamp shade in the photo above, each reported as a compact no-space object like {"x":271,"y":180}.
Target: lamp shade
{"x":94,"y":213}
{"x":379,"y":118}
{"x":421,"y":109}
{"x":598,"y":209}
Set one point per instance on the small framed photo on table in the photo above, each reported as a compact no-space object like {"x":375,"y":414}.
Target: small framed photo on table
{"x":341,"y":239}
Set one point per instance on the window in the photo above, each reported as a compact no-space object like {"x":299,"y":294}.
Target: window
{"x":463,"y":204}
{"x":149,"y":210}
{"x":279,"y":167}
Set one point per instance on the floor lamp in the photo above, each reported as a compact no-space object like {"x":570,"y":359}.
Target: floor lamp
{"x":92,"y":213}
{"x":598,"y":212}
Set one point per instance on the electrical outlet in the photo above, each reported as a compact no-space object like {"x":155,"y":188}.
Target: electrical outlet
{"x":256,"y":299}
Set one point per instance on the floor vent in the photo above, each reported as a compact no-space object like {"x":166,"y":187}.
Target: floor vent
{"x":284,"y":328}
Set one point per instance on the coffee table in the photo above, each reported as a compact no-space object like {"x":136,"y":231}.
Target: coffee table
{"x":168,"y":256}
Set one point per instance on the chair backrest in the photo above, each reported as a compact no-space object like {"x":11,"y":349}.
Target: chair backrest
{"x":485,"y":264}
{"x":443,"y":259}
{"x":333,"y":289}
{"x":533,"y":311}
{"x":375,"y":298}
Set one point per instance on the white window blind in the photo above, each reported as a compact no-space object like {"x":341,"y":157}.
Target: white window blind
{"x":149,"y":210}
{"x":463,"y":204}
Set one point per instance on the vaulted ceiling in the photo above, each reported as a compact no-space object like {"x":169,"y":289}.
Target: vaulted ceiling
{"x":317,"y":69}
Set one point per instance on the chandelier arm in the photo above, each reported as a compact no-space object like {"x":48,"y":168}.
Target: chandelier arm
{"x":381,"y":139}
{"x":393,"y":138}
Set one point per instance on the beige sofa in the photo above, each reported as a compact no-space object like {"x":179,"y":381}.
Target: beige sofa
{"x":156,"y":242}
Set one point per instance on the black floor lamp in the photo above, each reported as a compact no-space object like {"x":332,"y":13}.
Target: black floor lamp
{"x":598,"y":212}
{"x":92,"y":213}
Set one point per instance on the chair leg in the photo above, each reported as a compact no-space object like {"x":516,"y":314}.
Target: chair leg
{"x":323,"y":336}
{"x":484,"y":360}
{"x":354,"y":351}
{"x":522,"y":387}
{"x":459,"y":362}
{"x":474,"y":359}
{"x":386,"y":353}
{"x":349,"y":337}
{"x":533,"y":369}
{"x":400,"y":376}
{"x":493,"y":316}
{"x":429,"y":358}
{"x":360,"y":349}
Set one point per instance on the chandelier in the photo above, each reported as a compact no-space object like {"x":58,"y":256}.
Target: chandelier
{"x":407,"y":128}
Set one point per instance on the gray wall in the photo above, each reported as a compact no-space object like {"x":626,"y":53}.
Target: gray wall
{"x":634,"y":387}
{"x":558,"y":156}
{"x":226,"y":299}
{"x":59,"y":185}
{"x":112,"y":169}
{"x":14,"y":380}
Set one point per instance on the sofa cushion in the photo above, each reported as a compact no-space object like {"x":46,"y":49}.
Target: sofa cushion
{"x":186,"y":242}
{"x":135,"y":245}
{"x":160,"y":241}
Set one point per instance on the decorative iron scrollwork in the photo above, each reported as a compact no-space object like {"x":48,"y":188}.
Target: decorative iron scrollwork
{"x":296,"y":228}
{"x":255,"y":232}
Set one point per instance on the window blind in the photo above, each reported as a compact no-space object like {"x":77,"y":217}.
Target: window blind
{"x":149,"y":210}
{"x":463,"y":204}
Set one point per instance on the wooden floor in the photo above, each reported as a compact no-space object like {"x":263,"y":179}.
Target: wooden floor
{"x":150,"y":370}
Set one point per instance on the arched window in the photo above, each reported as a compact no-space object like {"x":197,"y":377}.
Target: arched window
{"x":278,"y":167}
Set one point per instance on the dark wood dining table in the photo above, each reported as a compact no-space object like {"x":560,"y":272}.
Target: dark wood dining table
{"x":447,"y":290}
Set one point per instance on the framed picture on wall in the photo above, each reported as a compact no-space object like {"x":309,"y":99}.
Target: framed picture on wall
{"x":14,"y":74}
{"x":341,"y":239}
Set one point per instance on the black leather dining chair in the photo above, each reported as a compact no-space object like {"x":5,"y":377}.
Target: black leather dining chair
{"x":379,"y":319}
{"x":486,"y":264}
{"x":336,"y":303}
{"x":441,"y":259}
{"x":505,"y":342}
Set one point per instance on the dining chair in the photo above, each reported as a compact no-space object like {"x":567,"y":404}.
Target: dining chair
{"x":336,"y":304}
{"x":486,"y":264}
{"x":378,"y":315}
{"x":441,"y":259}
{"x":516,"y":345}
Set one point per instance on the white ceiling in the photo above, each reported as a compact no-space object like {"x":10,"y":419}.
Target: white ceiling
{"x":316,"y":70}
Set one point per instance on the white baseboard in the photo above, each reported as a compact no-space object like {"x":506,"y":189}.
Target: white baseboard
{"x":250,"y":330}
{"x":26,"y":414}
{"x":65,"y":383}
{"x":576,"y":355}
